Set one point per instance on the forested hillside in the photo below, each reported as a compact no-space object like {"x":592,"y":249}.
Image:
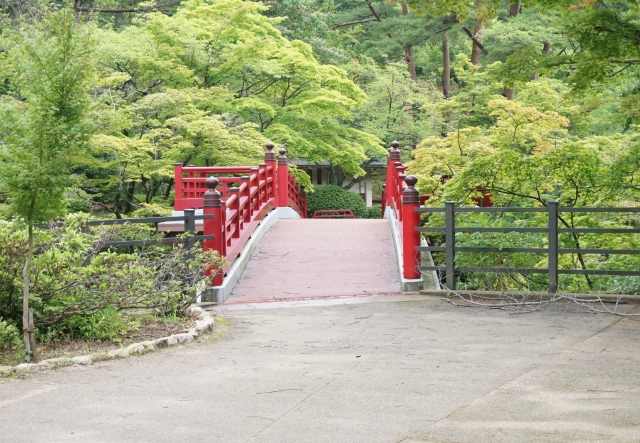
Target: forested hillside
{"x":483,"y":94}
{"x":522,"y":102}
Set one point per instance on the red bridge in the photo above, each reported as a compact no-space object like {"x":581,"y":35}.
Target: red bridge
{"x":274,"y":252}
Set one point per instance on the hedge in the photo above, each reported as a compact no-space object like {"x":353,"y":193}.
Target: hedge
{"x":335,"y":197}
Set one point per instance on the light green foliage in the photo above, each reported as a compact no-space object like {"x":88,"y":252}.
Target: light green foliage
{"x":9,"y":336}
{"x":72,"y":277}
{"x":210,"y":85}
{"x":335,"y":197}
{"x":43,"y":125}
{"x":393,"y":108}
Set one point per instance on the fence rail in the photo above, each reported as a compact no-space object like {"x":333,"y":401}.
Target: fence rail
{"x":552,"y":230}
{"x":403,"y":200}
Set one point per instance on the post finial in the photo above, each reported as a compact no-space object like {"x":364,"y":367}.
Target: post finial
{"x":282,"y":160}
{"x":211,"y":182}
{"x":394,"y":152}
{"x":410,"y":195}
{"x":211,"y":198}
{"x":269,"y":156}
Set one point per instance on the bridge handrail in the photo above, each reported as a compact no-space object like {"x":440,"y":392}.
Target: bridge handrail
{"x":400,"y":195}
{"x":238,"y":198}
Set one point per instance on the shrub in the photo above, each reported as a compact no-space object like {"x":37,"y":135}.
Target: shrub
{"x":374,"y":212}
{"x":79,"y":288}
{"x":335,"y":197}
{"x":10,"y":336}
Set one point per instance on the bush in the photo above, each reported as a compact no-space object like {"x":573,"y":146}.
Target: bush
{"x":80,"y":289}
{"x":10,"y":337}
{"x":11,"y":347}
{"x":335,"y":197}
{"x":374,"y":212}
{"x":107,"y":324}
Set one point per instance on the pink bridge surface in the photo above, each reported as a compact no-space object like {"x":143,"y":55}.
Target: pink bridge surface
{"x":320,"y":258}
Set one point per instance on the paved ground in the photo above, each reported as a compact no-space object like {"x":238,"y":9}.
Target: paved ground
{"x":364,"y":370}
{"x":295,"y":255}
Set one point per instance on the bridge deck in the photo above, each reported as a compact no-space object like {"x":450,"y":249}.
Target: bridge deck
{"x":320,"y":258}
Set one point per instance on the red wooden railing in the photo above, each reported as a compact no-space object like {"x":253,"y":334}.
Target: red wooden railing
{"x":237,"y":202}
{"x":400,"y":196}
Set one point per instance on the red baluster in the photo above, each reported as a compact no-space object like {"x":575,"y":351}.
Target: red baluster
{"x":234,"y":198}
{"x":264,"y":191}
{"x":247,"y":210}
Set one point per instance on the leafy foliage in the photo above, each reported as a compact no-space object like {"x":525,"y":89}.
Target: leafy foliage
{"x":73,"y":277}
{"x":336,"y":197}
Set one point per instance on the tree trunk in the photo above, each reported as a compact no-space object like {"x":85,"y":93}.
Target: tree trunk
{"x":167,"y":191}
{"x":29,"y":333}
{"x":408,"y":54}
{"x":546,"y":49}
{"x":514,"y":9}
{"x":128,"y":203}
{"x":476,"y":51}
{"x":446,"y":67}
{"x":509,"y":92}
{"x":411,"y":64}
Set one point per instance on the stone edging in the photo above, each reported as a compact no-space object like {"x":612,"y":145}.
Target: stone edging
{"x":204,"y":324}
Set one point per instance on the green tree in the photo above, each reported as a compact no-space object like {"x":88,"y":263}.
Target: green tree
{"x":43,"y":128}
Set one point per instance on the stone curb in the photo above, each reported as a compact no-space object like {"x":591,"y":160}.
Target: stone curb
{"x":204,"y":324}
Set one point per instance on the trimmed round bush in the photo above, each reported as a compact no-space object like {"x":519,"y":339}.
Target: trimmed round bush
{"x":374,"y":212}
{"x":335,"y":197}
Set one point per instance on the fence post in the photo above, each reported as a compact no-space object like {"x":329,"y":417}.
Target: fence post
{"x":190,"y":225}
{"x":190,"y":221}
{"x":283,"y":179}
{"x":450,"y":244}
{"x":394,"y":156}
{"x":270,"y":160}
{"x":553,"y":247}
{"x":411,"y":220}
{"x":212,"y":205}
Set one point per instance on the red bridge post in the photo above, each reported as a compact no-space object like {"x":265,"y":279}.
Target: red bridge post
{"x":283,"y":180}
{"x":177,"y":179}
{"x":394,"y":156}
{"x":270,"y":161}
{"x":410,"y":221}
{"x":212,"y":205}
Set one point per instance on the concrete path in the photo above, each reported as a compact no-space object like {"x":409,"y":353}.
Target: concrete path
{"x":365,"y":370}
{"x":320,"y":258}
